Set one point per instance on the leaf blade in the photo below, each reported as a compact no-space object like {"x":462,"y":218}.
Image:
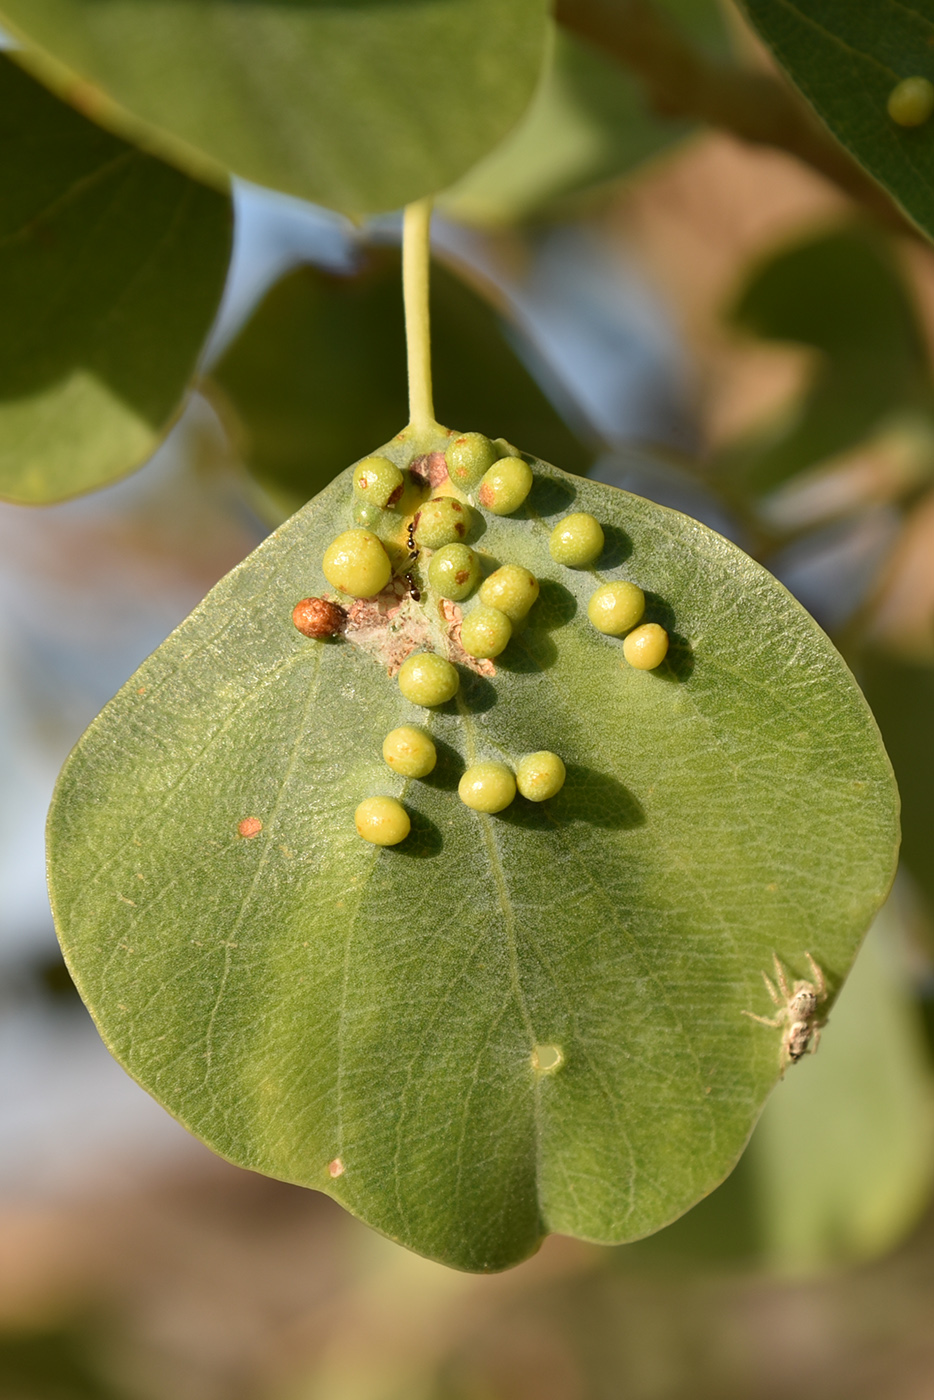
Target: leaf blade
{"x":112,"y":266}
{"x":361,"y":106}
{"x":381,"y":1008}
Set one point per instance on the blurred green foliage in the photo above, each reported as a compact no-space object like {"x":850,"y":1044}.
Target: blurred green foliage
{"x":842,"y":293}
{"x":112,"y":266}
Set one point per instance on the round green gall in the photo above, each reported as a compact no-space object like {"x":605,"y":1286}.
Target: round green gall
{"x":505,"y":486}
{"x":646,"y":647}
{"x":511,"y":589}
{"x":378,"y":481}
{"x":576,"y":541}
{"x":615,"y":607}
{"x":356,"y":563}
{"x":454,"y":572}
{"x":540,"y":775}
{"x":441,"y":521}
{"x":485,"y":632}
{"x":410,"y":752}
{"x":487,"y":787}
{"x":468,"y":457}
{"x":911,"y":102}
{"x":382,"y":821}
{"x":427,"y":679}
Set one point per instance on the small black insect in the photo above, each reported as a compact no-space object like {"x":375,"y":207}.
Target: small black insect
{"x":414,"y":593}
{"x":413,"y":547}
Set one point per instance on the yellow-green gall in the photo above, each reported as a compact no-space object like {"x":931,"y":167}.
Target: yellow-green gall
{"x":382,"y":821}
{"x":511,"y":589}
{"x":454,"y":572}
{"x":357,"y":563}
{"x":487,"y":787}
{"x":615,"y":607}
{"x":378,"y":481}
{"x":410,"y":752}
{"x":540,"y":775}
{"x":646,"y":647}
{"x":576,"y":541}
{"x":427,"y":679}
{"x":441,"y":521}
{"x":485,"y":632}
{"x":911,"y":102}
{"x":468,"y":457}
{"x":505,"y":486}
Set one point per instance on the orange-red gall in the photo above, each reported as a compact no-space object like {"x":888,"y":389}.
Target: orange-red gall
{"x":317,"y":618}
{"x":335,"y":1168}
{"x":250,"y":826}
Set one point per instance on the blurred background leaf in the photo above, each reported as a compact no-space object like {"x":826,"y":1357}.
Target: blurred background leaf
{"x":846,"y":58}
{"x":843,"y":294}
{"x":112,"y":266}
{"x":901,"y":693}
{"x":361,"y":106}
{"x":317,"y":376}
{"x":588,"y":124}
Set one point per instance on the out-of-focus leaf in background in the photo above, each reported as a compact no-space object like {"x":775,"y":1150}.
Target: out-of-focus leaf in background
{"x":112,"y":266}
{"x":300,"y":997}
{"x":846,"y":57}
{"x":843,"y":294}
{"x":318,"y":375}
{"x":840,"y":1165}
{"x":362,"y":106}
{"x":901,"y":693}
{"x":589,"y":123}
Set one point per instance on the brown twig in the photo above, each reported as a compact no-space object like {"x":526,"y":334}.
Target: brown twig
{"x":683,"y":81}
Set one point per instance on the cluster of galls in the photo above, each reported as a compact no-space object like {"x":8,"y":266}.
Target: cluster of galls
{"x":356,"y":563}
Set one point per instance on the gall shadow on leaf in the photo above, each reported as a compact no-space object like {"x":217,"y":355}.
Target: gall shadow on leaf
{"x":477,"y":694}
{"x":587,"y":796}
{"x":617,"y":547}
{"x":596,"y":798}
{"x":423,"y":841}
{"x":531,"y":648}
{"x":529,"y":652}
{"x":477,"y":529}
{"x":555,"y":606}
{"x":447,"y":772}
{"x":547,"y":497}
{"x":679,"y":663}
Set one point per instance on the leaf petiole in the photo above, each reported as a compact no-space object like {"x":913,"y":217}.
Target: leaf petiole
{"x":416,"y":258}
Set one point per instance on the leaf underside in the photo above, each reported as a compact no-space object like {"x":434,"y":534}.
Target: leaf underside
{"x":112,"y":265}
{"x":300,"y":998}
{"x":846,"y":58}
{"x":362,"y":106}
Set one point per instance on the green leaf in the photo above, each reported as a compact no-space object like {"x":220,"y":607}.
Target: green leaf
{"x":901,"y":693}
{"x":843,"y":294}
{"x":841,"y":1163}
{"x":112,"y":265}
{"x":318,"y":374}
{"x":361,"y":105}
{"x":846,"y":58}
{"x":299,"y":998}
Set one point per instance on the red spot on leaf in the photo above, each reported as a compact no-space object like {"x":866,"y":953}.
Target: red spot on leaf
{"x":250,"y":826}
